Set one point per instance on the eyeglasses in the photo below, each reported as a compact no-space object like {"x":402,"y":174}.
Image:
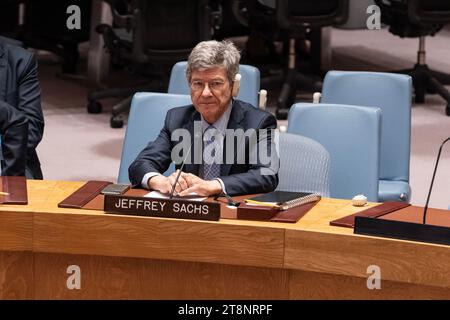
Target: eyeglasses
{"x":215,"y":85}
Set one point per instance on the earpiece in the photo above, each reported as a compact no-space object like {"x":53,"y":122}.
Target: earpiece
{"x":236,"y":85}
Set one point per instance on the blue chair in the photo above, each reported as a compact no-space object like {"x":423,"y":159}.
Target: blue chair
{"x":351,"y":134}
{"x":304,"y":165}
{"x":146,"y":119}
{"x":248,"y":91}
{"x":392,"y":93}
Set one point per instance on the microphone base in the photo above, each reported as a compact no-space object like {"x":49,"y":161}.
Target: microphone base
{"x":380,"y":227}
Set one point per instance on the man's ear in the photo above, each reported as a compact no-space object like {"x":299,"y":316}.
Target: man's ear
{"x":236,"y":85}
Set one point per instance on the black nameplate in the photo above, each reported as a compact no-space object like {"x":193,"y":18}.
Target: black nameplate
{"x":166,"y":208}
{"x":402,"y":230}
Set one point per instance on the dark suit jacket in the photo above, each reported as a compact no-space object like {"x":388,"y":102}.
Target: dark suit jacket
{"x":19,"y":88}
{"x":14,"y":132}
{"x":244,"y":178}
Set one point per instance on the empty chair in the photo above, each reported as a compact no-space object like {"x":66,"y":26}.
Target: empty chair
{"x":392,"y":93}
{"x":293,"y":21}
{"x":152,"y":36}
{"x":304,"y":165}
{"x":146,"y":119}
{"x":248,"y":91}
{"x":419,"y":19}
{"x":351,"y":134}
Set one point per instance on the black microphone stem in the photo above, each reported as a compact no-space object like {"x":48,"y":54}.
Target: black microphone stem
{"x":196,"y":136}
{"x":432,"y":181}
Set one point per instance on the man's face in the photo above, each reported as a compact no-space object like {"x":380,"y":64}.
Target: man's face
{"x":210,"y":92}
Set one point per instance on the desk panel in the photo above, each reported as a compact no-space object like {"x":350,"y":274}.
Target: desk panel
{"x":155,"y":258}
{"x":134,"y":278}
{"x":142,"y":237}
{"x":404,"y":261}
{"x":16,"y":275}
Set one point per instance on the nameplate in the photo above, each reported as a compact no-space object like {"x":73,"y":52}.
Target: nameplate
{"x":166,"y":208}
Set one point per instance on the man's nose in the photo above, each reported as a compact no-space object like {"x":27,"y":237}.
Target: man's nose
{"x":206,"y":90}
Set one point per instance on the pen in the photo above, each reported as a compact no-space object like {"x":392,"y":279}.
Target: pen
{"x":4,"y":193}
{"x":262,"y":203}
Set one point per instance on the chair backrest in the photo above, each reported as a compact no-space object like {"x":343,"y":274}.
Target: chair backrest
{"x":153,"y":35}
{"x":294,"y":14}
{"x":169,"y":28}
{"x":248,"y":91}
{"x":351,"y":134}
{"x":431,"y":11}
{"x":392,"y":93}
{"x":414,"y":18}
{"x":146,"y":119}
{"x":304,"y":165}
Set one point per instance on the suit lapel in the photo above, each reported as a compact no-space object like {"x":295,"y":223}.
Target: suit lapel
{"x":3,"y":66}
{"x":234,"y":123}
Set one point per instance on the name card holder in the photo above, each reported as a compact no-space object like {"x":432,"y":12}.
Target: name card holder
{"x":165,"y":208}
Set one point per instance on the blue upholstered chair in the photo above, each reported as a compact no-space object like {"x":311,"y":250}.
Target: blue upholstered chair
{"x":248,"y":91}
{"x":304,"y":165}
{"x":351,"y":134}
{"x":146,"y":119}
{"x":392,"y":94}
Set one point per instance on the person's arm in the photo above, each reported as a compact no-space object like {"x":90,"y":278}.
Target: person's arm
{"x":14,"y":137}
{"x":29,"y":100}
{"x":154,"y":158}
{"x":262,"y":176}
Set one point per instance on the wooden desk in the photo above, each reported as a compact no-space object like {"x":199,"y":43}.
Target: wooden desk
{"x":134,"y":257}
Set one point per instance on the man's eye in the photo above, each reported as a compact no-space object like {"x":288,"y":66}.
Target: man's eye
{"x":216,"y":84}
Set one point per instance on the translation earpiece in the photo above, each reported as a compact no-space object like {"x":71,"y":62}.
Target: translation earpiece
{"x":236,"y":85}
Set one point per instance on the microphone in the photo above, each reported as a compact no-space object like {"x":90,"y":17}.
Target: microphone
{"x":432,"y":180}
{"x":196,"y":136}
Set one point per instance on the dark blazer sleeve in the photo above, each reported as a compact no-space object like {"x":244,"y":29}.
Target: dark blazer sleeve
{"x":14,"y":131}
{"x":261,"y":176}
{"x":156,"y":156}
{"x":29,"y":99}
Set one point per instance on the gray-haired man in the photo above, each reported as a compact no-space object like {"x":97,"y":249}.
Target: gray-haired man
{"x":211,"y":70}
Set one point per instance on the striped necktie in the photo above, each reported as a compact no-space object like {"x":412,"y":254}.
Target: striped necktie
{"x":211,"y":169}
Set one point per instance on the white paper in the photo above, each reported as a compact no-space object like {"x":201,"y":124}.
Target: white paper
{"x":158,"y":195}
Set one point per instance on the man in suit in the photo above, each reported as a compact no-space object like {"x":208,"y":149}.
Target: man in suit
{"x":215,"y":116}
{"x":19,"y":89}
{"x":14,"y":133}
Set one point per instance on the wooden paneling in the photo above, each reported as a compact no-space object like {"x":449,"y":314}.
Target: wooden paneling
{"x":313,"y":285}
{"x":16,"y":275}
{"x":398,"y":260}
{"x":112,"y":235}
{"x":16,"y":230}
{"x":132,"y":278}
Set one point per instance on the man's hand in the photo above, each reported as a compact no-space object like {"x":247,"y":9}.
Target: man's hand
{"x":165,"y":184}
{"x":200,"y":186}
